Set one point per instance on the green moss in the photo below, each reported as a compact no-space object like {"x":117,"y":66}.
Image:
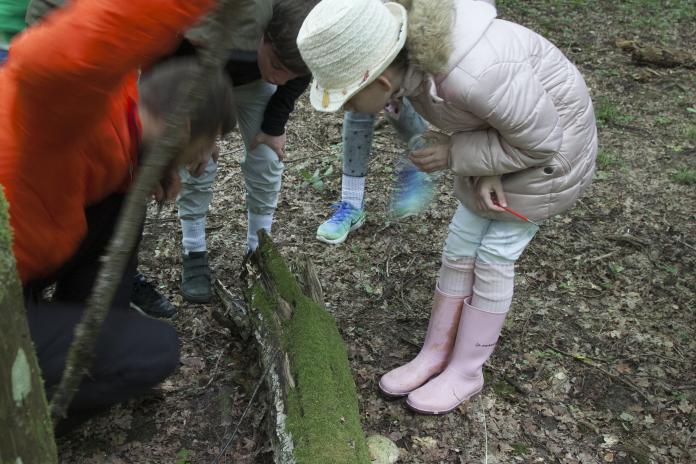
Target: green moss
{"x":323,"y":415}
{"x":7,"y":262}
{"x":266,"y":306}
{"x":286,"y":284}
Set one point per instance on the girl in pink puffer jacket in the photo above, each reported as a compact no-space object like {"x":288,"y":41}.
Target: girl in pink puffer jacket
{"x":521,"y":134}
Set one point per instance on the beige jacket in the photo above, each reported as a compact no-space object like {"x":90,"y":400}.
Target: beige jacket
{"x":513,"y":103}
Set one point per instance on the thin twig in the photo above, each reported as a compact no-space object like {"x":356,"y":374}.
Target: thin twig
{"x":246,"y":411}
{"x":297,"y":160}
{"x":687,"y":245}
{"x":212,"y":377}
{"x":485,"y":430}
{"x":601,"y":257}
{"x":585,"y":360}
{"x":686,"y":444}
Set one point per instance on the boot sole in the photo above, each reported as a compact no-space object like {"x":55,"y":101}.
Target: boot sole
{"x":441,"y":413}
{"x":195,"y":299}
{"x":389,"y":395}
{"x":143,"y":313}
{"x":343,"y":238}
{"x":394,"y":396}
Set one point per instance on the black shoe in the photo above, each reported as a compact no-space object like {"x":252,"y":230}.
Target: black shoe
{"x":195,"y":277}
{"x":148,"y":301}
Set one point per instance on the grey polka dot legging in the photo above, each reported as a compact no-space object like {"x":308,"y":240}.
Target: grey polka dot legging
{"x":357,"y":136}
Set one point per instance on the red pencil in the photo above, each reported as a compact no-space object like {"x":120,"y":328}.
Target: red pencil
{"x":513,"y":212}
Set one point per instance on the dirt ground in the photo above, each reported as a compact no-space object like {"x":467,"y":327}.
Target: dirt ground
{"x":596,"y":362}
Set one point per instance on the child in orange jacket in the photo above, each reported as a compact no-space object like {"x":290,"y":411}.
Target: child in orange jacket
{"x":76,"y":125}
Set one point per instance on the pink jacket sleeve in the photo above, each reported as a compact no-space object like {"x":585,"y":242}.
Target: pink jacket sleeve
{"x":525,"y":126}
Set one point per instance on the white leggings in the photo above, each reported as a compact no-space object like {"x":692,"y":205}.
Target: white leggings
{"x":492,"y":242}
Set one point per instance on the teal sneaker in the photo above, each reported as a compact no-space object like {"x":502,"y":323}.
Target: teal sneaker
{"x":413,"y":192}
{"x":344,"y":220}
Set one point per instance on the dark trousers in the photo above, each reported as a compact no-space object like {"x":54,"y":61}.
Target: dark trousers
{"x":133,"y":352}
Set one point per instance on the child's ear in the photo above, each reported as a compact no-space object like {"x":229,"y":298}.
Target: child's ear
{"x":384,"y":82}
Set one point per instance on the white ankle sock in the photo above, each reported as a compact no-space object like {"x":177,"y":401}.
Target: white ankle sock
{"x":493,"y":287}
{"x":256,"y":223}
{"x":193,"y":232}
{"x":353,"y":191}
{"x":456,"y":276}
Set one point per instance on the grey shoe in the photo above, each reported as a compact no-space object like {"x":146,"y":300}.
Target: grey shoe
{"x":195,"y":277}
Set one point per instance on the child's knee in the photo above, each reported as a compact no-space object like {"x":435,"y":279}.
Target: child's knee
{"x":491,"y":256}
{"x":262,"y":162}
{"x":162,"y":355}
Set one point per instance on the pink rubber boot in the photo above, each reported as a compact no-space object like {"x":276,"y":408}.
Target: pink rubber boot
{"x":463,"y":378}
{"x":433,"y":356}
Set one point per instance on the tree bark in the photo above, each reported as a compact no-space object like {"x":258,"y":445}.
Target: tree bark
{"x":314,"y":415}
{"x":150,"y":172}
{"x":26,"y":434}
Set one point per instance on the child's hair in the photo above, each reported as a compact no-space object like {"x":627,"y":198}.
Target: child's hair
{"x":282,"y":31}
{"x":161,"y":85}
{"x":402,"y":60}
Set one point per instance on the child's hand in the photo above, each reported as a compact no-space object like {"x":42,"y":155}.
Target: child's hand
{"x":491,"y":194}
{"x":198,"y":165}
{"x":432,"y":158}
{"x":168,"y":187}
{"x":275,"y":142}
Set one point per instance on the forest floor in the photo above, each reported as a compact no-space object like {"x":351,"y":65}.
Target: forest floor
{"x":597,"y":360}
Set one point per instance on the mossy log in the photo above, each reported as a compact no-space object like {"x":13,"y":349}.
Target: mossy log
{"x":26,"y":434}
{"x":654,"y":55}
{"x":314,"y":415}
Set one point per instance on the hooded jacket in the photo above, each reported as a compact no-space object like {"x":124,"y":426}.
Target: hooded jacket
{"x":247,"y":26}
{"x":68,"y":99}
{"x":514,"y":105}
{"x":11,"y":20}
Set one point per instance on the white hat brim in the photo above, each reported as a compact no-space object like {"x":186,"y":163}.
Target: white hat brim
{"x":331,"y":100}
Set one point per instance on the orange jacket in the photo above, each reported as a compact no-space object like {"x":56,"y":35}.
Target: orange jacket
{"x":67,"y":94}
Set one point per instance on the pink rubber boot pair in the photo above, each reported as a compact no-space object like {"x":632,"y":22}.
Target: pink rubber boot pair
{"x":477,"y":336}
{"x":459,"y":340}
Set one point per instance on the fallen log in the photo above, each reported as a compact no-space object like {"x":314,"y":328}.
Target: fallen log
{"x":313,"y":414}
{"x":26,"y":433}
{"x":647,"y":54}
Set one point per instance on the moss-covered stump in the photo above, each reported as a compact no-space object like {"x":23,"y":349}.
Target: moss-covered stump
{"x":26,"y":435}
{"x":314,"y":404}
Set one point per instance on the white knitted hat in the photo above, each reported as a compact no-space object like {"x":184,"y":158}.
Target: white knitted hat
{"x":347,"y":44}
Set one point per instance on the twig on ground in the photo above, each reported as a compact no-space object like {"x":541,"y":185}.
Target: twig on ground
{"x":232,"y":152}
{"x":637,"y":242}
{"x":485,"y":430}
{"x":585,"y":360}
{"x":215,"y":369}
{"x":687,"y":245}
{"x":271,"y":364}
{"x":305,"y":158}
{"x":686,"y":444}
{"x":601,"y":257}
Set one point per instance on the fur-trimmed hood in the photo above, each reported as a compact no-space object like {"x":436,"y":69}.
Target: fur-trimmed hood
{"x":435,"y":25}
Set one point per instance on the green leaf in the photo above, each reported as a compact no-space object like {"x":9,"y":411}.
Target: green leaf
{"x":182,"y":456}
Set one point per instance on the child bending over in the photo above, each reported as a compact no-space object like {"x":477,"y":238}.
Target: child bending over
{"x":522,"y":134}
